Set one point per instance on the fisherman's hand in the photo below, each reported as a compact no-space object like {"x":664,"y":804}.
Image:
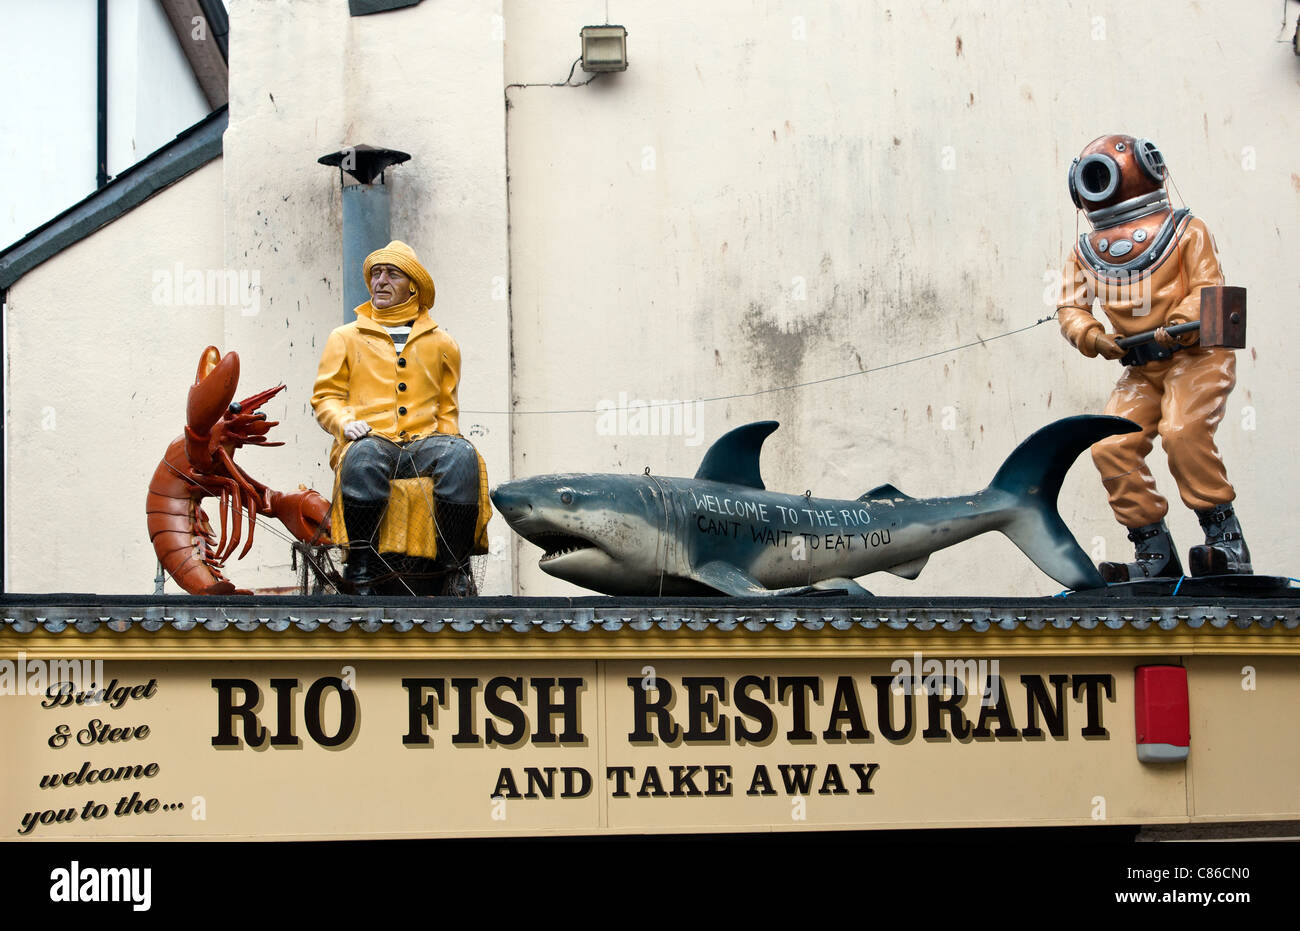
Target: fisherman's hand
{"x":1164,"y":340}
{"x":356,"y":429}
{"x":1105,"y":345}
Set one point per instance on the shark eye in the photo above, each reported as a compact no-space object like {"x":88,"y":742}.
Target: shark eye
{"x":566,"y":497}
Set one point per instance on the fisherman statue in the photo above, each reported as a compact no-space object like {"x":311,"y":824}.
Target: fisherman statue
{"x":1149,"y":265}
{"x":386,"y":391}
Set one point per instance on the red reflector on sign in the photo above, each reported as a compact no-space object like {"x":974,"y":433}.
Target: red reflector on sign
{"x":1163,"y":720}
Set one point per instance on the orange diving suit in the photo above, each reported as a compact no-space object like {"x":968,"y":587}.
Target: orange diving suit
{"x":1147,"y":264}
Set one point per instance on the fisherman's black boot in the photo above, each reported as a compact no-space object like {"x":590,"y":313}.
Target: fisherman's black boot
{"x":456,"y":526}
{"x":1225,"y":551}
{"x":1156,"y":557}
{"x":361,"y":570}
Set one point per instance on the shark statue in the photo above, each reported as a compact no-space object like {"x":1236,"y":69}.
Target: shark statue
{"x":724,"y":532}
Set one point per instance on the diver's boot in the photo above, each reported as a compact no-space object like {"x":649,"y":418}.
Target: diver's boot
{"x":1156,"y":557}
{"x":361,"y":571}
{"x":456,"y":526}
{"x":1225,"y":551}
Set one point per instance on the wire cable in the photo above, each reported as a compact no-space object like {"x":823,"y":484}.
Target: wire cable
{"x":567,"y":82}
{"x":978,"y":341}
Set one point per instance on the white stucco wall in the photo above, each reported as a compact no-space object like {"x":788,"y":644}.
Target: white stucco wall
{"x":98,"y":376}
{"x":905,"y":164}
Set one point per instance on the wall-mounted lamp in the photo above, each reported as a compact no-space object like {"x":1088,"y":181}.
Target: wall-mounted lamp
{"x":604,"y":48}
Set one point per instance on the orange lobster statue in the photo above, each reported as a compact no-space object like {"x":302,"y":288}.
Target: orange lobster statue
{"x":199,"y":465}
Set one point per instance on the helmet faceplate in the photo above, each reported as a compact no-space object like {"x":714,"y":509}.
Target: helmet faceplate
{"x":1115,"y":169}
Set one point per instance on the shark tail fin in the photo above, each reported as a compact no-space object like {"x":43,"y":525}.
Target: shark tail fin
{"x":1033,"y":474}
{"x":909,"y":570}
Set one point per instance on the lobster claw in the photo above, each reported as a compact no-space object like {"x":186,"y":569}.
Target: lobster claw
{"x":214,"y":387}
{"x":305,"y":513}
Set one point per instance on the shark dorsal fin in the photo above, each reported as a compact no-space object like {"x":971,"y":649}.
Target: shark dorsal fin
{"x":733,"y":458}
{"x":884,"y":491}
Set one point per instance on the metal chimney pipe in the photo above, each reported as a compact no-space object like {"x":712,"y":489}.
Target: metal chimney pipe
{"x":366,"y":213}
{"x":365,"y":229}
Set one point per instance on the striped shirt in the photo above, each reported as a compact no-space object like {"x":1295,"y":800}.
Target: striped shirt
{"x":399,"y":334}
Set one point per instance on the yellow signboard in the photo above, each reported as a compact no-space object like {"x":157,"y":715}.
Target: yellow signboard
{"x":437,"y":747}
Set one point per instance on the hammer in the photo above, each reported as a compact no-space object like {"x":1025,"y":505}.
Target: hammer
{"x":1222,"y":323}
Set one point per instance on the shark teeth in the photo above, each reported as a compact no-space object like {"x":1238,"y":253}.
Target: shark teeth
{"x":559,"y":544}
